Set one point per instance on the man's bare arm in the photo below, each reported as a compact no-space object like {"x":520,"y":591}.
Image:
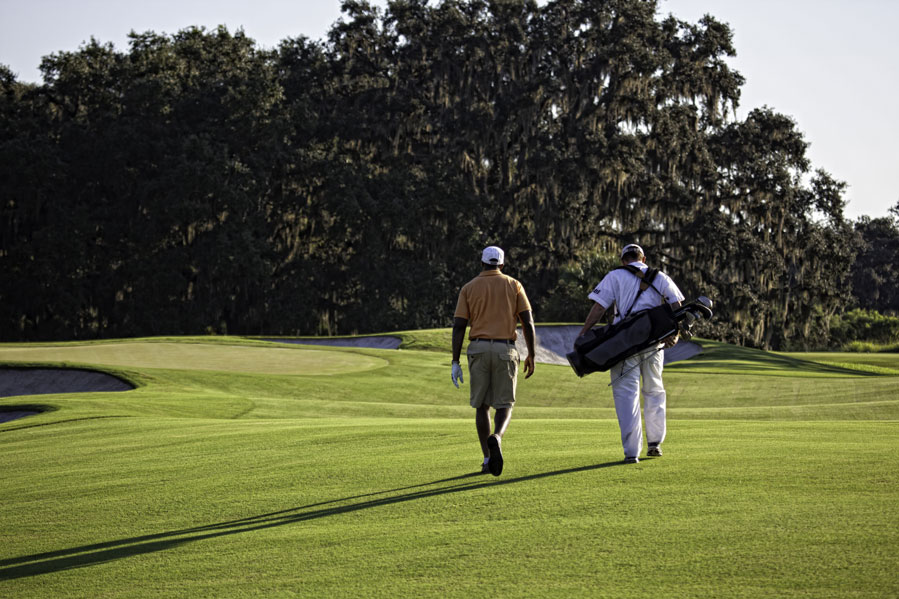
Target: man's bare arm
{"x":527,"y":327}
{"x":596,"y":312}
{"x":459,"y":326}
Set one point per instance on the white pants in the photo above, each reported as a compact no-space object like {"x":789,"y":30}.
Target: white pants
{"x":626,"y":391}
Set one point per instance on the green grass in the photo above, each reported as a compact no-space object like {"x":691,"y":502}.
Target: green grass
{"x":217,"y":477}
{"x":870,"y":346}
{"x":200,"y":356}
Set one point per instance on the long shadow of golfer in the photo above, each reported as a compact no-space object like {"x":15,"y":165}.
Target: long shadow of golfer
{"x":89,"y":555}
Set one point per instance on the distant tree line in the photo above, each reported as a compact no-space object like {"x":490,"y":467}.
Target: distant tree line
{"x":198,"y":183}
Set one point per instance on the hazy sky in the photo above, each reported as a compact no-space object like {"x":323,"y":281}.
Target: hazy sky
{"x":829,"y":64}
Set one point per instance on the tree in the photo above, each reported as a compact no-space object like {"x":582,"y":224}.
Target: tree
{"x":875,"y":274}
{"x":196,"y":183}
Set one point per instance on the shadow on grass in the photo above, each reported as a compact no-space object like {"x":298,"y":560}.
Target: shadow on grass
{"x":98,"y":553}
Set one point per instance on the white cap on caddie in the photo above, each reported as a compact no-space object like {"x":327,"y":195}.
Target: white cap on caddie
{"x":492,"y":255}
{"x":632,"y":247}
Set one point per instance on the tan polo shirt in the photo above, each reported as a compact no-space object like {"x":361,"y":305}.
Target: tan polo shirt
{"x":491,"y":302}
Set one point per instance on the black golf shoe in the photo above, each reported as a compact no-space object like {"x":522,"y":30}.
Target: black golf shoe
{"x":495,"y":463}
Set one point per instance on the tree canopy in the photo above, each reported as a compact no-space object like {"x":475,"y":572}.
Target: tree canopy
{"x":197,"y":183}
{"x":875,"y":275}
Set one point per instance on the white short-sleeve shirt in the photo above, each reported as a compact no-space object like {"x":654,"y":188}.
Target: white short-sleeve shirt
{"x":620,"y":287}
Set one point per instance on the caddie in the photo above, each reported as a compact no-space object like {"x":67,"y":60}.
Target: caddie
{"x":628,"y":289}
{"x":492,"y":304}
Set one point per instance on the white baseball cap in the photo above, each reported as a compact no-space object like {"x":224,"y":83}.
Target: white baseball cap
{"x":492,"y":255}
{"x":632,"y":247}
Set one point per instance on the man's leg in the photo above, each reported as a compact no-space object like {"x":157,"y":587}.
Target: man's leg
{"x":626,"y":393}
{"x":501,"y":418}
{"x":482,"y":422}
{"x":479,"y":382}
{"x":505,"y":378}
{"x":654,"y":398}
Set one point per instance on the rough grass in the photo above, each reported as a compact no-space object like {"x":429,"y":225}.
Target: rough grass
{"x":869,"y":346}
{"x":778,"y":479}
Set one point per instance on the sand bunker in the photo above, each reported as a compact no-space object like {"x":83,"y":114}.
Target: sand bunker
{"x":15,"y":415}
{"x":42,"y":381}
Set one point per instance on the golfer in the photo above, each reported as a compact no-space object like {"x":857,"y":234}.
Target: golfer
{"x":492,"y":303}
{"x":621,"y":288}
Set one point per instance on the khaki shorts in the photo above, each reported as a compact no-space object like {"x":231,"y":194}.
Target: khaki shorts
{"x":493,"y":373}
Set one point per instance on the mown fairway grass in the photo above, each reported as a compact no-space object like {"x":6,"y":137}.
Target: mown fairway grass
{"x":218,"y":477}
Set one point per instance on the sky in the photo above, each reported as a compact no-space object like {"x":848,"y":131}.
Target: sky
{"x":831,"y":65}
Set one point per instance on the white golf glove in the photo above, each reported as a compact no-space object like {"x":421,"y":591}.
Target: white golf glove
{"x":457,"y":374}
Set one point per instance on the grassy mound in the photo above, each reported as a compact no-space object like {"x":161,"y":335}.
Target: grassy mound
{"x":197,"y":355}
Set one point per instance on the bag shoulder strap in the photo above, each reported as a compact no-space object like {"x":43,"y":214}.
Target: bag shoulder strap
{"x":646,"y":279}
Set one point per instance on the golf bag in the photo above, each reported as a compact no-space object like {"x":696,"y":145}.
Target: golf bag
{"x":601,"y":348}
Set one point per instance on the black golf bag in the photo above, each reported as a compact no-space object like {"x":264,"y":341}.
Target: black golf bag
{"x":601,"y":348}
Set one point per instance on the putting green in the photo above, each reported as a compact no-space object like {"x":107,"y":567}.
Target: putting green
{"x":201,"y":356}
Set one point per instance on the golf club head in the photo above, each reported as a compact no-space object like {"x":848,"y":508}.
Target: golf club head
{"x":700,"y":310}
